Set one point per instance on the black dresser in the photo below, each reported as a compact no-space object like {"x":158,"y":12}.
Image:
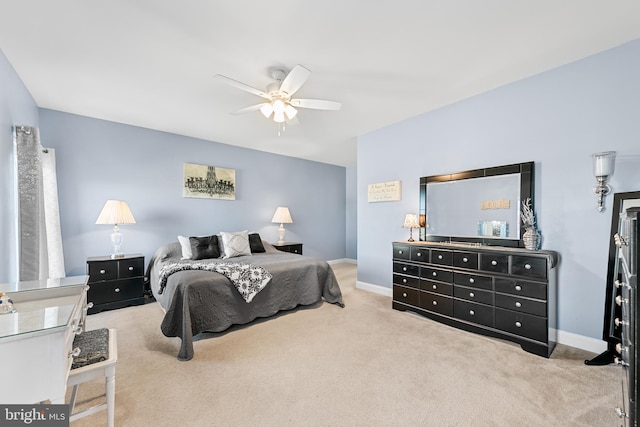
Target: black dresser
{"x":115,"y":283}
{"x":627,"y":282}
{"x":507,"y":293}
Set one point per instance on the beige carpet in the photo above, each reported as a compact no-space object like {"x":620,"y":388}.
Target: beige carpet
{"x":364,"y":365}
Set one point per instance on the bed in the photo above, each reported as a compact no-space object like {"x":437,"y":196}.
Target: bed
{"x":198,"y":299}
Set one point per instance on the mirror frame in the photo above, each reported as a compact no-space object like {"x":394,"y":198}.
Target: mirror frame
{"x":526,"y":191}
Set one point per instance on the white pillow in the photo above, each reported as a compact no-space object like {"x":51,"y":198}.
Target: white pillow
{"x":186,"y":247}
{"x":235,"y":243}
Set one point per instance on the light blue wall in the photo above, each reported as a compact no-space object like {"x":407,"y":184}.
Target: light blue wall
{"x":17,"y":107}
{"x":556,"y":119}
{"x":99,"y":160}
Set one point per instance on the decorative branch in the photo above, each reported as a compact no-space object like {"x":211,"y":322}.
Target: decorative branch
{"x":527,"y":215}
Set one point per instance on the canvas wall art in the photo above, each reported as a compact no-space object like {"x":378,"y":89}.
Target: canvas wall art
{"x":209,"y":182}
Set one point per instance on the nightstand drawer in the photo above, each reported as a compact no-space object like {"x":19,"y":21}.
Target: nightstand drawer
{"x":102,"y":270}
{"x":294,"y":248}
{"x":130,"y":267}
{"x":116,"y":290}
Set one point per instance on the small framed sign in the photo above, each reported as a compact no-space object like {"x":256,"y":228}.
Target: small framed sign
{"x":384,"y":191}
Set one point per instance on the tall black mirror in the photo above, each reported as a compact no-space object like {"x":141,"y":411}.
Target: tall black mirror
{"x":611,"y":331}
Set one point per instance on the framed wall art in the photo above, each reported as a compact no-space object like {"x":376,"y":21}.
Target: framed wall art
{"x":209,"y":182}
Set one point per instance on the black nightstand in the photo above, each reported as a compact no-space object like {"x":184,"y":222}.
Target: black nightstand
{"x":115,"y":283}
{"x":293,"y":247}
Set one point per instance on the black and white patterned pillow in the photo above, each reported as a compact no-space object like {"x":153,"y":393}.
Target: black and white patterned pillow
{"x":235,"y":243}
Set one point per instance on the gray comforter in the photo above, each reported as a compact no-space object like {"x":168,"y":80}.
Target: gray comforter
{"x":198,"y":301}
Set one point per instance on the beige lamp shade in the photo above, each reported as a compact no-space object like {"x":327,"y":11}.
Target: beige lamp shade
{"x":411,"y":221}
{"x":115,"y":212}
{"x":282,"y":216}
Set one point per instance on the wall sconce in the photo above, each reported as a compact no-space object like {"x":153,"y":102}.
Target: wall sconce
{"x":603,"y":168}
{"x":116,"y":212}
{"x":411,"y":222}
{"x":282,"y":216}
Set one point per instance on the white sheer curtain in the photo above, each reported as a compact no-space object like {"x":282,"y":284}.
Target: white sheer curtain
{"x":40,"y":253}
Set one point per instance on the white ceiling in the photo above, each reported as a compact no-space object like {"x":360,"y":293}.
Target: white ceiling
{"x":151,"y":63}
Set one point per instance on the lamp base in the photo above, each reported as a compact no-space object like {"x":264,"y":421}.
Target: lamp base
{"x":116,"y":256}
{"x":281,"y":233}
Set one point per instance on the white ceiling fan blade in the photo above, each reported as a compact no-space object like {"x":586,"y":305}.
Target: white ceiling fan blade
{"x":294,"y":80}
{"x":316,"y":104}
{"x":251,"y":108}
{"x":242,"y":86}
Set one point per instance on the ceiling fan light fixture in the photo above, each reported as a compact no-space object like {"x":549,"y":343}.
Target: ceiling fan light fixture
{"x":290,"y":112}
{"x":278,"y":116}
{"x":278,"y":106}
{"x":266,"y":110}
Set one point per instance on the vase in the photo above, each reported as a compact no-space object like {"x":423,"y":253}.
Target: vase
{"x":531,"y":239}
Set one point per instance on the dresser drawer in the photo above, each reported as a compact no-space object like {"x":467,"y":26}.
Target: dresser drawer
{"x":494,"y":263}
{"x":465,"y":260}
{"x":133,"y":267}
{"x":437,"y":287}
{"x":406,"y":295}
{"x":409,"y":269}
{"x":419,"y":254}
{"x":441,"y":257}
{"x":473,"y":294}
{"x":521,"y":324}
{"x":428,"y":273}
{"x":102,"y":270}
{"x":411,"y":282}
{"x":473,"y":312}
{"x":436,"y":303}
{"x":474,"y":280}
{"x":116,"y":290}
{"x":525,"y":305}
{"x":529,"y":266}
{"x":401,"y":251}
{"x":521,"y":288}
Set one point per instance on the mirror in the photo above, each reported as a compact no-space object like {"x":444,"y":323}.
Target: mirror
{"x":611,"y":332}
{"x":478,"y":206}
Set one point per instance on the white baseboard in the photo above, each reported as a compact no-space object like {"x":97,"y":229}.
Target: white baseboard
{"x":566,"y":338}
{"x":376,"y":289}
{"x":593,"y":345}
{"x":341,"y":260}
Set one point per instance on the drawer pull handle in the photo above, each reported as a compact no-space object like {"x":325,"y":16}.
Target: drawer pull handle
{"x":620,"y":348}
{"x":75,"y":352}
{"x":404,"y":268}
{"x":404,"y":294}
{"x":471,"y":294}
{"x":527,"y":266}
{"x":130,"y":268}
{"x":434,"y":274}
{"x":494,"y":262}
{"x":518,"y":288}
{"x":400,"y":252}
{"x":434,"y":286}
{"x":404,"y":280}
{"x":102,"y":271}
{"x":89,"y":305}
{"x":472,"y":280}
{"x":78,"y":330}
{"x":439,"y":256}
{"x":465,"y":259}
{"x":620,"y":300}
{"x":518,"y":304}
{"x":419,"y":253}
{"x":117,"y":289}
{"x":471,"y":312}
{"x":518,"y":324}
{"x":434,"y":302}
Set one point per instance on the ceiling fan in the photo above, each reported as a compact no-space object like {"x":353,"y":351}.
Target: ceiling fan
{"x":279,"y":94}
